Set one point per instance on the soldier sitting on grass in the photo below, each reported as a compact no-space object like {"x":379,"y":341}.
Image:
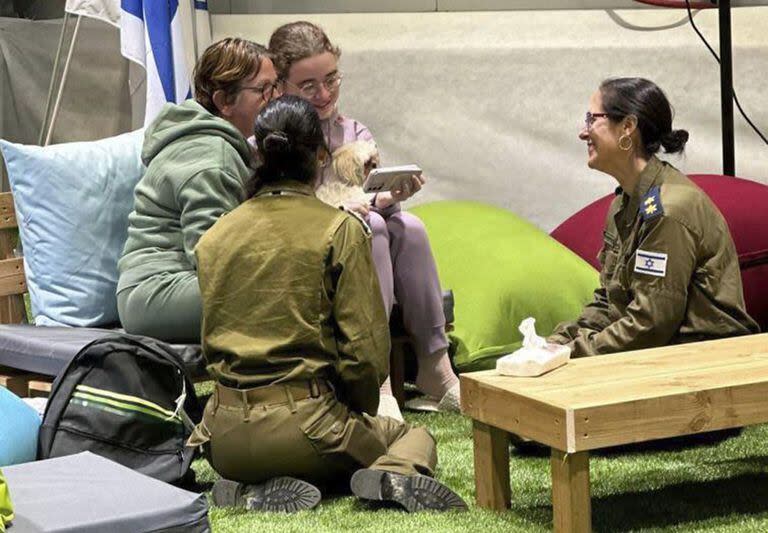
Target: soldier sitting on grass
{"x":297,"y":338}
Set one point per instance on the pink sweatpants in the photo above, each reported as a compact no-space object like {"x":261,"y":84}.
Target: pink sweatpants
{"x":408,"y":275}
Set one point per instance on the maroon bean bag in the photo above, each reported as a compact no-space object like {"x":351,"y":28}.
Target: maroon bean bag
{"x":744,"y":205}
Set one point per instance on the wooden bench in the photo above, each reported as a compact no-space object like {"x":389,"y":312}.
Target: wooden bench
{"x":13,"y":285}
{"x":598,"y":402}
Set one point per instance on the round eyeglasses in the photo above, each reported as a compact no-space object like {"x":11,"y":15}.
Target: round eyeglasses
{"x":310,"y":89}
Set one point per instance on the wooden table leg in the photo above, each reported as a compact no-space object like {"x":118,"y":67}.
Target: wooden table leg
{"x":571,"y":503}
{"x":491,"y":466}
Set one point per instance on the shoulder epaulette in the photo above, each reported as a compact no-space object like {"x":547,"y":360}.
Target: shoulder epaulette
{"x":650,"y":205}
{"x":360,"y":219}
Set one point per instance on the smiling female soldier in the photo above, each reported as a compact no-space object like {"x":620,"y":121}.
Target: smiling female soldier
{"x":670,"y":273}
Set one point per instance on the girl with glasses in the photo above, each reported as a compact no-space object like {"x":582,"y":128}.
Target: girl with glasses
{"x":307,"y":63}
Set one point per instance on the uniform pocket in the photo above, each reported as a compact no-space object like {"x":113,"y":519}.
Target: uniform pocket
{"x":325,"y":426}
{"x":336,"y":431}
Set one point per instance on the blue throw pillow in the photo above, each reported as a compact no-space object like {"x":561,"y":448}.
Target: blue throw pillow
{"x":72,"y":204}
{"x":18,"y":430}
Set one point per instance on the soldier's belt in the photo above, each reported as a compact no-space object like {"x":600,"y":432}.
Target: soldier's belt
{"x":272,"y":394}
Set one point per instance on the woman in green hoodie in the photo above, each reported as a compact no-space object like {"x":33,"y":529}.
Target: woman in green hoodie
{"x":198,"y":168}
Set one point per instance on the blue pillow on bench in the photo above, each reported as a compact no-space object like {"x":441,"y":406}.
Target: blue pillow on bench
{"x":18,"y":430}
{"x":72,"y":204}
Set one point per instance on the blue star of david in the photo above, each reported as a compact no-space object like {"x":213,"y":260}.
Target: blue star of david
{"x":649,"y":263}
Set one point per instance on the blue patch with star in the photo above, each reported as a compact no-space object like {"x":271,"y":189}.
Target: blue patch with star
{"x":650,"y":205}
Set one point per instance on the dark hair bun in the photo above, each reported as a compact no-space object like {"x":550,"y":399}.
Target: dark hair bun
{"x":277,"y":142}
{"x":674,"y":141}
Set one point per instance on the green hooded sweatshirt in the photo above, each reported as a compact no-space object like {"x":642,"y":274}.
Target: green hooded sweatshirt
{"x":198,"y":168}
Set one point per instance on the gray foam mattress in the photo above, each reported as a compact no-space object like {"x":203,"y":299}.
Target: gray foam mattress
{"x":47,"y":350}
{"x":87,"y":493}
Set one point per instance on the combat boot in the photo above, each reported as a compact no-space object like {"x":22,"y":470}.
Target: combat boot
{"x":413,"y":492}
{"x":280,"y":494}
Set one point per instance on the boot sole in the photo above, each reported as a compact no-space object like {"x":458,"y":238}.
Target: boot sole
{"x":282,"y":494}
{"x":414,"y":493}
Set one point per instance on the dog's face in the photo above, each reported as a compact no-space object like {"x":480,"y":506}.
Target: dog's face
{"x":354,"y":160}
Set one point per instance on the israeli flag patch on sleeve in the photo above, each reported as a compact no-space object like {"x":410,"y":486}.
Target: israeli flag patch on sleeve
{"x":651,"y":263}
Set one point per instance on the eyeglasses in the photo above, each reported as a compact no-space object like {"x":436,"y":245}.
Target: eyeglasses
{"x":266,"y":90}
{"x":310,"y":89}
{"x":591,"y":118}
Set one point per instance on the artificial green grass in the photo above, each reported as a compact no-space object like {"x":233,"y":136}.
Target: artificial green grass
{"x":722,"y":487}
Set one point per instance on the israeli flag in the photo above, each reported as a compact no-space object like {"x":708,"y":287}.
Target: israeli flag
{"x":652,"y":263}
{"x":150,"y":35}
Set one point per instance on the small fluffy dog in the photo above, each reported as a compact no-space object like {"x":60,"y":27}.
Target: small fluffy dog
{"x":351,"y":163}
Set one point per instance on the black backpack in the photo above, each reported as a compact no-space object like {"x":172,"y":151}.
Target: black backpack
{"x":126,"y":398}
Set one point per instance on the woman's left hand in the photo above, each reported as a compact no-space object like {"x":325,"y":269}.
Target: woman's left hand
{"x":407,"y":189}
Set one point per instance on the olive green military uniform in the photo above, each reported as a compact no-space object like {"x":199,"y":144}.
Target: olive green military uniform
{"x":296,"y":336}
{"x":670,"y":273}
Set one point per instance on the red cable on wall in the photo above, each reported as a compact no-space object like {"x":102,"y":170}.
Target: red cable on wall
{"x":678,"y":4}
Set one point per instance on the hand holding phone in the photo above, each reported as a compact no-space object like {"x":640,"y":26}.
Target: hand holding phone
{"x":389,"y":178}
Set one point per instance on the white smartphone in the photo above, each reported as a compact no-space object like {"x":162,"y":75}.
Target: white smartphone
{"x":389,"y":178}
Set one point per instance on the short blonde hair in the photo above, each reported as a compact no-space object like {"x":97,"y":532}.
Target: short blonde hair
{"x":296,"y":41}
{"x":223,"y":66}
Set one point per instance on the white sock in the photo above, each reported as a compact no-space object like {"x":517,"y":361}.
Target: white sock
{"x":388,"y":407}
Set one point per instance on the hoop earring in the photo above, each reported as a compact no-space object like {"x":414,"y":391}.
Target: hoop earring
{"x":623,"y":146}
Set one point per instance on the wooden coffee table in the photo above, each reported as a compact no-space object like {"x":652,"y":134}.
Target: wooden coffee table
{"x":603,"y":401}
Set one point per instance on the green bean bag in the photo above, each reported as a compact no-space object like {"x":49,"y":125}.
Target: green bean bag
{"x":501,"y":269}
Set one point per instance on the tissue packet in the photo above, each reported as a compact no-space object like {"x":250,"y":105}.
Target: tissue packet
{"x":535,"y":357}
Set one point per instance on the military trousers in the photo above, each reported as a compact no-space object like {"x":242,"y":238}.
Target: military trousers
{"x":313,"y":437}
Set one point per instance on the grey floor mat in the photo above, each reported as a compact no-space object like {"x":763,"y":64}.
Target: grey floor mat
{"x":87,"y":493}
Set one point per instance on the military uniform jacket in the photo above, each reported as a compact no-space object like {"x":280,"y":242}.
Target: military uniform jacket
{"x":670,"y":273}
{"x":290,"y":293}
